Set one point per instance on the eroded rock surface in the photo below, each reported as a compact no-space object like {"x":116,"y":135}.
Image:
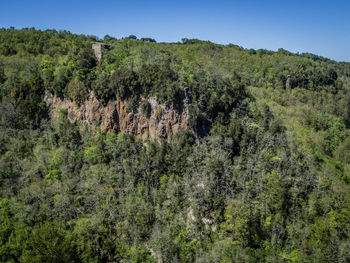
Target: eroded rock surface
{"x":160,"y":123}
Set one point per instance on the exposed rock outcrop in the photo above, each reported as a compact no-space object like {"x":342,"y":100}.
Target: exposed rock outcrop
{"x":288,"y":81}
{"x":98,"y":50}
{"x":160,"y":123}
{"x":91,"y":111}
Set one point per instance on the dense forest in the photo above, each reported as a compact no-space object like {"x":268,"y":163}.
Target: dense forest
{"x":262,"y":175}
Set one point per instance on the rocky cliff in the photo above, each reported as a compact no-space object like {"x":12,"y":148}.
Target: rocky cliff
{"x":160,"y":122}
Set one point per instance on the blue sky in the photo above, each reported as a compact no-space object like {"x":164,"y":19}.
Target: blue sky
{"x":320,"y":27}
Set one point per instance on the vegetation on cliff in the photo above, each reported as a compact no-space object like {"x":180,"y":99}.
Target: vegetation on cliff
{"x":262,"y":175}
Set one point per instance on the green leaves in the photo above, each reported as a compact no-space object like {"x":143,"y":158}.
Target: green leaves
{"x":77,"y":91}
{"x":332,"y":127}
{"x":262,"y":174}
{"x":48,"y":243}
{"x":237,"y":220}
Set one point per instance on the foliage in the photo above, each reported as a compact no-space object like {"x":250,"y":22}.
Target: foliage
{"x":262,"y":174}
{"x":77,"y":91}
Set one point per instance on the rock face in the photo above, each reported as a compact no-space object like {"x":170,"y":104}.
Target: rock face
{"x":98,"y":48}
{"x":159,"y":123}
{"x":288,"y":81}
{"x":91,"y":111}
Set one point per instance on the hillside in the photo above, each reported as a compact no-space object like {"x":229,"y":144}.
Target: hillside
{"x":170,"y":152}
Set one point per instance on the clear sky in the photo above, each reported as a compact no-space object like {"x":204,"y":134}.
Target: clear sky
{"x":317,"y":26}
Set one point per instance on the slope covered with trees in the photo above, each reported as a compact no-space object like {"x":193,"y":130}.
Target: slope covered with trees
{"x":263,"y":175}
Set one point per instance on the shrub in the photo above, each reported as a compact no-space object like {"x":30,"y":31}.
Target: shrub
{"x":77,"y":91}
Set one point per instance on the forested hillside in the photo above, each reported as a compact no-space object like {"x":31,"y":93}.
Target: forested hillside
{"x":261,"y":174}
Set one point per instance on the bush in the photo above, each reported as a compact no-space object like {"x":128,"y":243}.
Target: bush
{"x":102,"y":88}
{"x":77,"y":91}
{"x":124,"y":83}
{"x":86,"y":59}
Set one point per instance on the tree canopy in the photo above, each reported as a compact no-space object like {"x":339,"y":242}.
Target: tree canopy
{"x":262,"y":175}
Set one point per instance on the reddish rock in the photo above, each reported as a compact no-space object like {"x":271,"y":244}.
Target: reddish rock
{"x":162,"y":122}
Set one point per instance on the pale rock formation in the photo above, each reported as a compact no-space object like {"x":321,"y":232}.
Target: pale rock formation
{"x":162,"y":122}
